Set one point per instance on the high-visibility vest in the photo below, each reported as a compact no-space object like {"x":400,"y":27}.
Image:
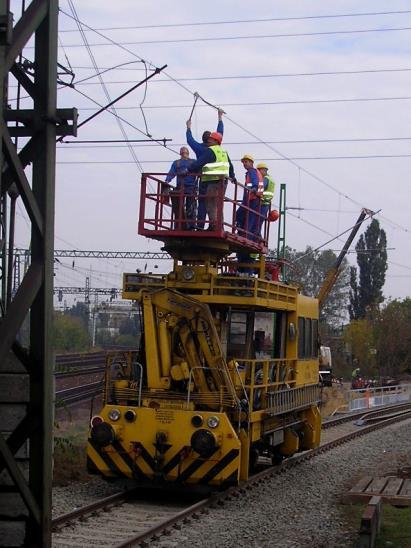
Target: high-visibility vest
{"x":217,"y":169}
{"x":269,"y":189}
{"x":249,"y":185}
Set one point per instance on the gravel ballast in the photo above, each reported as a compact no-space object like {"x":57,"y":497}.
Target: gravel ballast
{"x":299,"y":508}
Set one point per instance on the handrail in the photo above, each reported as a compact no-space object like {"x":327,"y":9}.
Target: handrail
{"x":228,"y":381}
{"x":160,"y":215}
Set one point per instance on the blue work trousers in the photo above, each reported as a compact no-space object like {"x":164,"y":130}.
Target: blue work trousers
{"x":184,"y":207}
{"x":260,"y":218}
{"x":247,"y":219}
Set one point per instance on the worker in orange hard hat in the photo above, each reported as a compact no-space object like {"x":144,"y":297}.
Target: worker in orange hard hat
{"x":199,"y":149}
{"x":267,"y":196}
{"x":216,"y":168}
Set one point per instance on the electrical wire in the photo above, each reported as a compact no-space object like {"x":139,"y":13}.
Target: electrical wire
{"x":99,"y":142}
{"x":246,"y":37}
{"x":338,"y":237}
{"x":296,"y":102}
{"x":312,"y":175}
{"x":94,"y":63}
{"x":108,"y":69}
{"x":259,"y":76}
{"x":287,"y":159}
{"x":263,"y":20}
{"x":116,"y":115}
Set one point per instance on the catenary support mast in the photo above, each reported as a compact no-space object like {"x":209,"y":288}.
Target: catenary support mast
{"x":26,"y":372}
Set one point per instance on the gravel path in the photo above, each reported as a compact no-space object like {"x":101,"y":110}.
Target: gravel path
{"x":301,"y":508}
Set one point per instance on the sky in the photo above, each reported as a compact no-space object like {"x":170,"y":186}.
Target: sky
{"x":258,"y":66}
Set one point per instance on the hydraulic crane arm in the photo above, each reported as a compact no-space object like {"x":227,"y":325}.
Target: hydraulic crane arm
{"x":333,"y":274}
{"x":182,"y":346}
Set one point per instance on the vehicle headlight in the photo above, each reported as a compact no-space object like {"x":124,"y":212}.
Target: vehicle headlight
{"x":103,"y":434}
{"x":188,"y":274}
{"x":114,"y":414}
{"x":204,"y":443}
{"x":197,"y":421}
{"x":213,"y":422}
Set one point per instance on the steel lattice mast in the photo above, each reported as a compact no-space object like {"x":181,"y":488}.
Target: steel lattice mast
{"x":26,"y":374}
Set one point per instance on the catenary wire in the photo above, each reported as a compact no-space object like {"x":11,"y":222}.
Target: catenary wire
{"x":104,"y":87}
{"x":315,"y":177}
{"x":261,"y":20}
{"x":369,"y":216}
{"x":244,"y":37}
{"x":289,"y":158}
{"x":257,"y":76}
{"x":268,"y":103}
{"x":103,"y":143}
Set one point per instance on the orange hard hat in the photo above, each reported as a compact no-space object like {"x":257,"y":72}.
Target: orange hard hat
{"x":274,"y":215}
{"x":216,"y":136}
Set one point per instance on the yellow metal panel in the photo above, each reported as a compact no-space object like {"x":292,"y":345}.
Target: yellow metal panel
{"x":312,"y":428}
{"x":306,"y":372}
{"x":307,"y":307}
{"x":290,"y":444}
{"x":97,"y":460}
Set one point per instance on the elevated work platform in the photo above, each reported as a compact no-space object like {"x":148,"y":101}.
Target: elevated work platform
{"x":169,"y":215}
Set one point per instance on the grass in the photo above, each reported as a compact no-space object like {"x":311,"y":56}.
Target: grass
{"x":395,"y":528}
{"x":70,"y":455}
{"x":395,"y":524}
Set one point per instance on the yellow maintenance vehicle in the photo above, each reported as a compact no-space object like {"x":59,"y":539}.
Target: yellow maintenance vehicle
{"x":227,"y":370}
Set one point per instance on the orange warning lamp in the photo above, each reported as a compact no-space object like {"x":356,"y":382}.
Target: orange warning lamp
{"x":273,"y":216}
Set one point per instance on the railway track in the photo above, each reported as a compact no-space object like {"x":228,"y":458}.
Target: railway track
{"x":138,"y":523}
{"x":77,"y":394}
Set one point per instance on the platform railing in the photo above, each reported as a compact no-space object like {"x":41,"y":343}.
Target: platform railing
{"x":263,"y":377}
{"x":164,"y":211}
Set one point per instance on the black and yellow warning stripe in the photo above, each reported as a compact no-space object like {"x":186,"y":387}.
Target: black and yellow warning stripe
{"x":120,"y":463}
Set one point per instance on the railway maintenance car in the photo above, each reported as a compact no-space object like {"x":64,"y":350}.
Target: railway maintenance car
{"x":228,"y":366}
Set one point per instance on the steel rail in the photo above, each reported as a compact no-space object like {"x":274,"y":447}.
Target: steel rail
{"x":78,"y":372}
{"x":77,"y":393}
{"x":102,"y":504}
{"x":201,"y":507}
{"x":364,"y":414}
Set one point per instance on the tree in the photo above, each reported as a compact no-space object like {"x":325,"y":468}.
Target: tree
{"x":70,"y":335}
{"x":393,"y":338}
{"x":359,"y":336}
{"x":127,"y":327}
{"x":309,"y":272}
{"x":366,"y":292}
{"x":133,"y":341}
{"x":80,"y":310}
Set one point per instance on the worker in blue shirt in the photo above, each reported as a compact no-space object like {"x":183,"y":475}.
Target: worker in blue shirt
{"x":198,"y":149}
{"x":183,"y":196}
{"x":247,"y":215}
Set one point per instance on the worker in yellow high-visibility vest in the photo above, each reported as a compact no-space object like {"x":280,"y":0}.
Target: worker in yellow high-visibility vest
{"x":216,"y":168}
